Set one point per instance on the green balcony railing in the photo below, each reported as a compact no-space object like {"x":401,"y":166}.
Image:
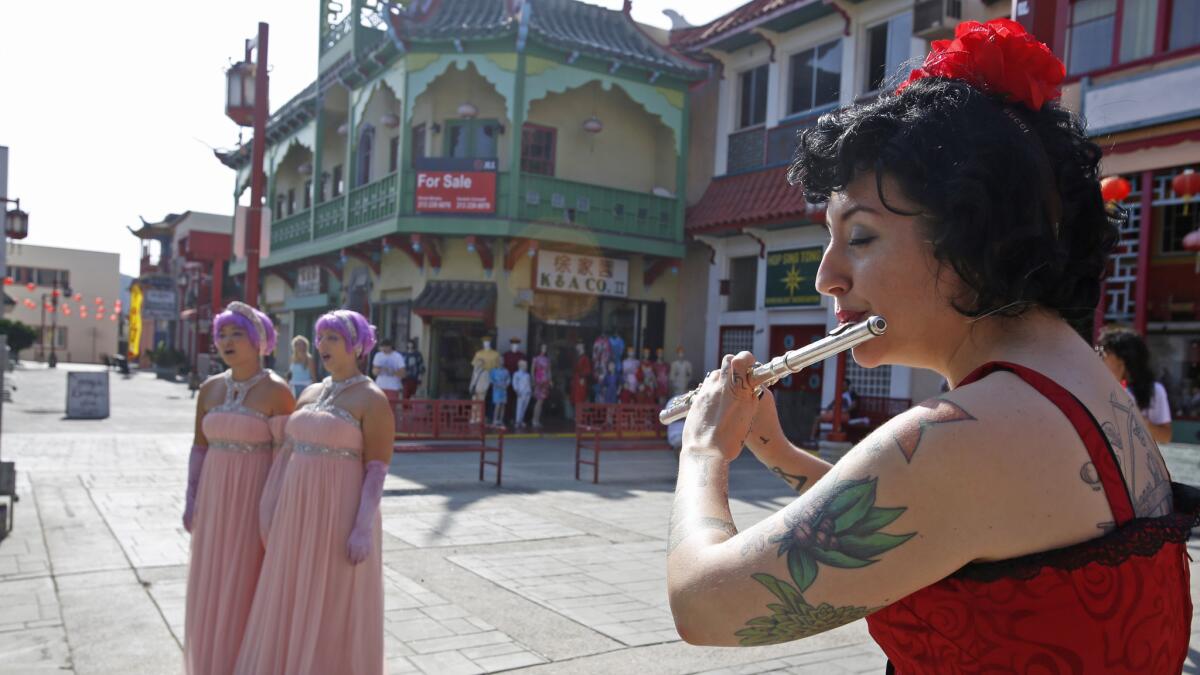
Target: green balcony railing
{"x":330,"y":217}
{"x":373,"y":202}
{"x":600,"y":208}
{"x":289,"y":231}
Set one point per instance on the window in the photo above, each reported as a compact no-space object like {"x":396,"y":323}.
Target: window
{"x":1090,"y":37}
{"x":338,"y":186}
{"x":734,"y":339}
{"x":291,"y":201}
{"x":754,"y":96}
{"x":44,"y":277}
{"x":1138,"y":21}
{"x":308,"y":184}
{"x":418,"y":142}
{"x":471,"y":138}
{"x":743,"y":283}
{"x":1176,"y":224}
{"x":816,"y":77}
{"x":393,"y":154}
{"x":1185,"y":24}
{"x":278,"y":206}
{"x":537,"y":149}
{"x":889,"y":47}
{"x":366,"y":147}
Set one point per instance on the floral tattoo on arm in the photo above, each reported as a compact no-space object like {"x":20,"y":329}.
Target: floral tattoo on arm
{"x":840,"y":529}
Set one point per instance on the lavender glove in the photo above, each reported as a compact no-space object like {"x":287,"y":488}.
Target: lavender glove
{"x":358,"y":546}
{"x":195,"y":464}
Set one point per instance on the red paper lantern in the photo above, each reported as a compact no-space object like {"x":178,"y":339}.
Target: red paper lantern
{"x":30,"y":286}
{"x":1191,"y":241}
{"x":66,"y":310}
{"x":9,"y":281}
{"x":1186,"y":184}
{"x":113,"y":317}
{"x":79,"y":297}
{"x":1114,"y":189}
{"x":99,"y":301}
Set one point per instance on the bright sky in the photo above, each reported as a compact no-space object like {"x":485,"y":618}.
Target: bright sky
{"x":109,"y":109}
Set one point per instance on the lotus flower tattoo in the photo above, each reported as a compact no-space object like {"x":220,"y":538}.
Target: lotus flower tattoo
{"x":840,"y":530}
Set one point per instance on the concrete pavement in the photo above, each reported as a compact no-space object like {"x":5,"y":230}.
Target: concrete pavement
{"x":546,"y":575}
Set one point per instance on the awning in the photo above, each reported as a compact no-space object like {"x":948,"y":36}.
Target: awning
{"x":456,"y":300}
{"x":749,"y":199}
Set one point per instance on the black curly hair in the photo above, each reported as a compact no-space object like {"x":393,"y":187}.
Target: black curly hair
{"x":1010,"y":197}
{"x":1127,"y":345}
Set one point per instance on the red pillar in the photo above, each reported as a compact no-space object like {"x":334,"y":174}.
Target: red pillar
{"x":218,"y":277}
{"x":837,"y":434}
{"x":1141,"y":287}
{"x":258,"y":150}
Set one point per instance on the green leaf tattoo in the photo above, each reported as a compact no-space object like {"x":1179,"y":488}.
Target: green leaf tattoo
{"x":839,"y":530}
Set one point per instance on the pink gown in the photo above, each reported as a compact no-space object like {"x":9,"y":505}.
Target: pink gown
{"x":314,"y":612}
{"x":226,"y":551}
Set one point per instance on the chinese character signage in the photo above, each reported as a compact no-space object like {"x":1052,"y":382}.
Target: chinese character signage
{"x":308,"y":280}
{"x":160,"y":299}
{"x":589,"y":275}
{"x":455,"y":186}
{"x":792,"y":278}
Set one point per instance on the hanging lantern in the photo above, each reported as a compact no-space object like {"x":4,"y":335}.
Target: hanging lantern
{"x":1186,"y":185}
{"x":390,"y":120}
{"x":55,"y":293}
{"x":305,"y":169}
{"x":593,"y":125}
{"x":239,"y":93}
{"x":1114,"y":189}
{"x":99,"y":301}
{"x":16,"y":223}
{"x":30,"y":286}
{"x":66,"y":310}
{"x":113,"y":317}
{"x":9,"y":281}
{"x":467,"y":110}
{"x":79,"y":297}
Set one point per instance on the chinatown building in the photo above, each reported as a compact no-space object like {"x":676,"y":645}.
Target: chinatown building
{"x":1133,"y":74}
{"x":751,"y":271}
{"x":470,"y":169}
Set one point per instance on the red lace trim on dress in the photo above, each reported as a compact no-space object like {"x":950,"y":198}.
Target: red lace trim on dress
{"x":1139,"y":537}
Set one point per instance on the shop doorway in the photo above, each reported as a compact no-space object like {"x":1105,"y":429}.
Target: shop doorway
{"x":797,"y":397}
{"x":452,"y":344}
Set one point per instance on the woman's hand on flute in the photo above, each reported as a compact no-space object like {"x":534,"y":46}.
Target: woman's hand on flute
{"x":722,"y":409}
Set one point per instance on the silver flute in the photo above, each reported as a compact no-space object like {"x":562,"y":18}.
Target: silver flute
{"x":766,"y":374}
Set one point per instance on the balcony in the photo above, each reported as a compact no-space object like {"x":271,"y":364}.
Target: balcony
{"x":330,"y":217}
{"x":289,"y":231}
{"x":760,"y":147}
{"x":373,"y":202}
{"x":602,"y":209}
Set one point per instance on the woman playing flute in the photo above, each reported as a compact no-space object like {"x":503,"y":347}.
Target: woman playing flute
{"x":1022,"y":521}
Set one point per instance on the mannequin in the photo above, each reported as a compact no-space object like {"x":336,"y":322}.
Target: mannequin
{"x":662,"y":378}
{"x":647,"y":381}
{"x":609,"y":384}
{"x":541,"y":384}
{"x":681,"y":373}
{"x":500,"y":379}
{"x":511,"y":358}
{"x":617,"y":347}
{"x":581,"y":375}
{"x":523,"y":386}
{"x":630,"y":372}
{"x":482,"y":364}
{"x":601,"y":356}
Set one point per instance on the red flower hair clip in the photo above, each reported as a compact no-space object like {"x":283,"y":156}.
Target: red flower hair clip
{"x":998,"y":58}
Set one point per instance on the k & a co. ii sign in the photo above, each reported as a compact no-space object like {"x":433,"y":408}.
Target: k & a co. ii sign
{"x":586,"y":274}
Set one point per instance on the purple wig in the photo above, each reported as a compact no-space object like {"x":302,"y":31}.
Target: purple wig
{"x":354,"y":328}
{"x":257,"y":325}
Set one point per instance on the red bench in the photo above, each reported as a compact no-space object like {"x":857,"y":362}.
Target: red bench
{"x":616,"y":427}
{"x":448,"y":426}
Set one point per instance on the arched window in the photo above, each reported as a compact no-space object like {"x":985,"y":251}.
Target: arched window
{"x":366,"y":143}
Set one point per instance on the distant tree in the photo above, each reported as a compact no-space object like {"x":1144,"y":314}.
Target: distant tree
{"x":20,"y":336}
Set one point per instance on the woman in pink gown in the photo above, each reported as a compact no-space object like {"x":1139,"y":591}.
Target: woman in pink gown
{"x":239,"y":416}
{"x":319,"y":604}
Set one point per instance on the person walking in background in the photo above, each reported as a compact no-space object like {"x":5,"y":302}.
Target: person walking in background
{"x":388,"y":369}
{"x":240,"y":415}
{"x":1128,"y":358}
{"x":319,"y":604}
{"x":303,"y":371}
{"x":414,"y":369}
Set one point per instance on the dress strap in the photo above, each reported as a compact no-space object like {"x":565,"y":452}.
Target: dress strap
{"x":1099,"y":449}
{"x":235,"y":395}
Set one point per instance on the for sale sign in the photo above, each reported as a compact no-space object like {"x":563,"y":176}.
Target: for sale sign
{"x":456,"y":186}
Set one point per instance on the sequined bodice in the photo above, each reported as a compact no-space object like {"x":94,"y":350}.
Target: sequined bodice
{"x":233,"y":426}
{"x":309,"y":430}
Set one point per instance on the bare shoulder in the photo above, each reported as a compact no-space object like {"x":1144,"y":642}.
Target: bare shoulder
{"x":280,"y":393}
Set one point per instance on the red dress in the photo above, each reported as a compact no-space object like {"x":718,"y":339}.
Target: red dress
{"x":1119,"y":603}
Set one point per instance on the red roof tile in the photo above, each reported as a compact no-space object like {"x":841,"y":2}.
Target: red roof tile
{"x":746,"y":199}
{"x":755,"y":9}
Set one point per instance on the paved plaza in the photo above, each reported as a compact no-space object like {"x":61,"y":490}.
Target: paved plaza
{"x":543,"y":575}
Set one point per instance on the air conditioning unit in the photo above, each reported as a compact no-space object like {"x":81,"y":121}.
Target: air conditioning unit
{"x":936,"y":19}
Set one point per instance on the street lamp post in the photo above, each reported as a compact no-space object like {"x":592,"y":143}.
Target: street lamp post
{"x":52,"y":361}
{"x":246,"y":104}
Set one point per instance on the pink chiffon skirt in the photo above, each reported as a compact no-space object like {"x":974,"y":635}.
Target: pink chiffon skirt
{"x":226,"y":553}
{"x":314,"y":612}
